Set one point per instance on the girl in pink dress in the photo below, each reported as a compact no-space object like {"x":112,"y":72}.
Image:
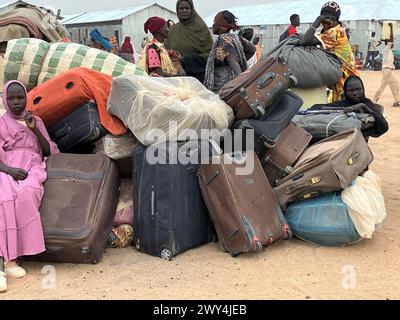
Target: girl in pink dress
{"x":24,"y":144}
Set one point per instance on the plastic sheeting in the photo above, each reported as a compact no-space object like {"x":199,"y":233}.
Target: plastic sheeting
{"x":173,"y":109}
{"x":116,"y":147}
{"x":365,"y":204}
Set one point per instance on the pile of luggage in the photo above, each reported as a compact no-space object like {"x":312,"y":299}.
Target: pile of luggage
{"x":166,"y":165}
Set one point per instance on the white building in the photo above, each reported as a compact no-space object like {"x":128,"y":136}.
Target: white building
{"x":361,"y":17}
{"x":8,"y":5}
{"x":118,"y":22}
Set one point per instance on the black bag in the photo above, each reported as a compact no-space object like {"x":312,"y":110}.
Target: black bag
{"x":80,"y":127}
{"x":170,"y":214}
{"x":271,"y":125}
{"x":284,"y":35}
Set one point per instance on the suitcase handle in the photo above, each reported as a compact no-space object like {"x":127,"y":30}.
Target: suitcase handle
{"x":266,"y":79}
{"x":153,"y":204}
{"x":57,"y":135}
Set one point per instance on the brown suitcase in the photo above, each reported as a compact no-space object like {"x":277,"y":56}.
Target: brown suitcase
{"x":330,"y":165}
{"x":78,"y":207}
{"x":278,"y":161}
{"x":243,"y":208}
{"x":256,"y":89}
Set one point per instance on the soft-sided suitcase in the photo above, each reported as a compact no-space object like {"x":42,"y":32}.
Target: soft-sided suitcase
{"x":243,"y":208}
{"x":77,"y":210}
{"x":330,"y":165}
{"x":256,"y":89}
{"x":278,"y":161}
{"x":170,"y":214}
{"x":80,"y":127}
{"x":270,"y":126}
{"x":324,"y":221}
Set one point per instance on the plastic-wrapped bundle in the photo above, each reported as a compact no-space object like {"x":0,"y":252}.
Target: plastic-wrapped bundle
{"x":116,"y":147}
{"x":160,"y":109}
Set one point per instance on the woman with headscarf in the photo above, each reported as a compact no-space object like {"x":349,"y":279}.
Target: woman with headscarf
{"x":24,"y":144}
{"x":156,"y":59}
{"x":229,"y":55}
{"x":333,"y":37}
{"x":127,"y":50}
{"x":191,"y":38}
{"x":356,"y":101}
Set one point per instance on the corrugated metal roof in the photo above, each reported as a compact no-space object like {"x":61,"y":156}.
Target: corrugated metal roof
{"x":4,"y":4}
{"x":279,"y":11}
{"x":104,"y":15}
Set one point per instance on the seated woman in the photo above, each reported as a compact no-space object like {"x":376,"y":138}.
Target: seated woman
{"x":355,"y":101}
{"x":229,"y":55}
{"x":24,"y":144}
{"x":156,"y":60}
{"x":334,"y":39}
{"x":191,"y":38}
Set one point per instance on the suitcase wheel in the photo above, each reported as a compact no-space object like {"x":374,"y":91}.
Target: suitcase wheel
{"x":166,"y":254}
{"x":258,"y":246}
{"x":235,"y":255}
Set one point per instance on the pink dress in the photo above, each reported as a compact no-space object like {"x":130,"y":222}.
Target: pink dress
{"x":21,"y":231}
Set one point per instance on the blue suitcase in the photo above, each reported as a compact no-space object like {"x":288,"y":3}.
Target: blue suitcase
{"x":323,"y":220}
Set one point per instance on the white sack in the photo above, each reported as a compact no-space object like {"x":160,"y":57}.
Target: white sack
{"x":146,"y":104}
{"x":365,"y":203}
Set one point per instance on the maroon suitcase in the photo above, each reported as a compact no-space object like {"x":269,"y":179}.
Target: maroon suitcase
{"x":256,"y":89}
{"x":278,"y":161}
{"x":78,"y":207}
{"x":243,"y":208}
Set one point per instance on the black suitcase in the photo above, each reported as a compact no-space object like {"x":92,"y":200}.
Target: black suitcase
{"x":80,"y":127}
{"x":170,"y":214}
{"x":268,"y":128}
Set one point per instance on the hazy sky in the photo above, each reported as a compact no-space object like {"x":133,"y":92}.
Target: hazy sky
{"x":204,"y":7}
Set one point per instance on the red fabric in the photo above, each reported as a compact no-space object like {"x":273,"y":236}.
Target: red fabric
{"x":154,"y":24}
{"x":54,"y":99}
{"x":127,"y":46}
{"x":292,"y":30}
{"x":153,"y":58}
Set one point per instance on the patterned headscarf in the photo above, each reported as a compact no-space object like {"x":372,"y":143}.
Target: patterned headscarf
{"x":333,"y":7}
{"x":5,"y":102}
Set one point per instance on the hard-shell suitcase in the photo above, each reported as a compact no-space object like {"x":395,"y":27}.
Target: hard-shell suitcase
{"x":78,"y":207}
{"x":323,"y":220}
{"x":256,"y":89}
{"x":278,"y":161}
{"x":330,"y":165}
{"x":270,"y":126}
{"x":170,"y":214}
{"x":80,"y":127}
{"x":243,"y":208}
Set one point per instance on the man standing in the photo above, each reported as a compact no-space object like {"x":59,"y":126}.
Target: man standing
{"x":292,"y":29}
{"x":388,"y":72}
{"x":373,"y":52}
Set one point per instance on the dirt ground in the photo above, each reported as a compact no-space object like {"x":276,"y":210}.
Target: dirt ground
{"x":287,"y":270}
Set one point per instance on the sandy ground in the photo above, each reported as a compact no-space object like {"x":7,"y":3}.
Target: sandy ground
{"x":287,"y":270}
